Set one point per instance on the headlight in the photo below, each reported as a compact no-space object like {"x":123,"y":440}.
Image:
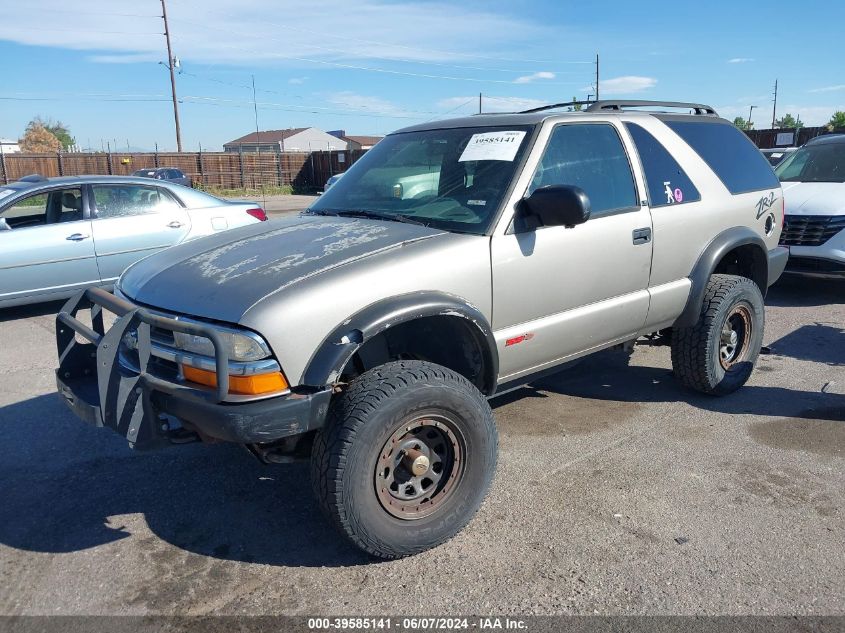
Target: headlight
{"x":240,"y":346}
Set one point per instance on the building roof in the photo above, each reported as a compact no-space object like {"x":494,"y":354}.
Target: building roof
{"x":363,"y":140}
{"x":268,"y":136}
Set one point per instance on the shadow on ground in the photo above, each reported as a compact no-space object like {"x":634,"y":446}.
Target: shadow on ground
{"x":818,"y":342}
{"x":61,"y":481}
{"x":33,"y":310}
{"x":64,"y":485}
{"x":795,"y":290}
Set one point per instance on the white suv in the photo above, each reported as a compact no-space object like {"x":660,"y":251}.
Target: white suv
{"x":814,"y":191}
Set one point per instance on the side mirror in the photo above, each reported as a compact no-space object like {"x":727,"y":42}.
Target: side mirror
{"x":4,"y":225}
{"x":558,"y":205}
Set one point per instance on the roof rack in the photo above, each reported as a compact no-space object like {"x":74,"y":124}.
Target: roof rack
{"x":618,"y":106}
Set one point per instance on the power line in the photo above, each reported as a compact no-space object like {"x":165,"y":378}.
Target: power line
{"x":394,"y":45}
{"x":371,"y":56}
{"x":383,"y":70}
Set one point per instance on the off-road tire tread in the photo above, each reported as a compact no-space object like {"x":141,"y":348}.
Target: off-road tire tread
{"x":347,"y":414}
{"x":692,"y":349}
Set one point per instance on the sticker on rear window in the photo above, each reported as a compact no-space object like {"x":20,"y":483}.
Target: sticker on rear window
{"x":492,"y":146}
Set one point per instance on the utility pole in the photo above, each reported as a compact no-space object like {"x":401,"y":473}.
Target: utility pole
{"x":775,"y":106}
{"x":597,"y":76}
{"x":172,"y":77}
{"x":748,"y":123}
{"x":479,"y":103}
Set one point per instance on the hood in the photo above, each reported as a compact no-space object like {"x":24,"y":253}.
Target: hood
{"x":814,"y":198}
{"x":220,"y":277}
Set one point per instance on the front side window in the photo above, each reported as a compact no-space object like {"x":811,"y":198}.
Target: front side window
{"x":592,"y":157}
{"x":62,"y":205}
{"x":452,"y":179}
{"x":824,"y":162}
{"x":117,"y":201}
{"x":667,"y":182}
{"x":729,"y":153}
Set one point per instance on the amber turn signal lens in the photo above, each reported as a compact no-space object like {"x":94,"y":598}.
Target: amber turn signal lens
{"x":242,"y":385}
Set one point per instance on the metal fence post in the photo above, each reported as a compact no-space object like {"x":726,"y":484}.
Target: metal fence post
{"x":3,"y":165}
{"x":61,"y":166}
{"x":241,"y":161}
{"x":108,"y":162}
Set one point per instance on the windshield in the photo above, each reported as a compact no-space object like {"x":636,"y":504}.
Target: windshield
{"x":147,"y":173}
{"x":814,"y":163}
{"x":449,"y":179}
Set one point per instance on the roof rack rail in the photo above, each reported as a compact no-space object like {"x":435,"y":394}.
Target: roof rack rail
{"x":617,"y":106}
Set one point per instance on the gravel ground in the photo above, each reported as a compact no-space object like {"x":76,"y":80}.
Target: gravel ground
{"x":617,"y":493}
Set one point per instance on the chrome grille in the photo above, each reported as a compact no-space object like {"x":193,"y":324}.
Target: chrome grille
{"x":810,"y":230}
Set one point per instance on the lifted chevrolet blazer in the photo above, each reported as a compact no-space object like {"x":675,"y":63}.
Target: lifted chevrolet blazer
{"x":370,"y":331}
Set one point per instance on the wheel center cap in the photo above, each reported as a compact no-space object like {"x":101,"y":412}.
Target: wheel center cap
{"x":416,"y":462}
{"x":734,"y":337}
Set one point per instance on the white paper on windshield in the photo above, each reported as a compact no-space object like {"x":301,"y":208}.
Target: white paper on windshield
{"x":6,"y":192}
{"x":492,"y":146}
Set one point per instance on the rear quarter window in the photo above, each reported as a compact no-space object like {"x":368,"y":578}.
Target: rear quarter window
{"x":729,"y":153}
{"x":667,"y":182}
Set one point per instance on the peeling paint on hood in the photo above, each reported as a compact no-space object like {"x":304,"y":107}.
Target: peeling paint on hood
{"x":220,"y":277}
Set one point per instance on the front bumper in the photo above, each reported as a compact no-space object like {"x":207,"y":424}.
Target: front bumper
{"x":135,"y":403}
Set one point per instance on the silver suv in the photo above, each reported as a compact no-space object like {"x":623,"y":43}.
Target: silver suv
{"x":455,"y":261}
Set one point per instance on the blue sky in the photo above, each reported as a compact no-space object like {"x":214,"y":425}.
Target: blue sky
{"x":371,"y":66}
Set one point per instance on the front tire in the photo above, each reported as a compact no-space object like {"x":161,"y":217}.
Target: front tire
{"x":717,"y":355}
{"x":405,"y":459}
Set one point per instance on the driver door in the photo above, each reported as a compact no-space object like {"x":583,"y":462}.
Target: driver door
{"x":560,"y":291}
{"x":47,"y":252}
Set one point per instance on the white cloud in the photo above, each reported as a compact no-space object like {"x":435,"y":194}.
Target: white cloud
{"x":829,"y":88}
{"x":297,"y":80}
{"x":527,"y":79}
{"x":365,"y":103}
{"x":624,"y":85}
{"x":740,"y":60}
{"x":469,"y":104}
{"x":251,"y":32}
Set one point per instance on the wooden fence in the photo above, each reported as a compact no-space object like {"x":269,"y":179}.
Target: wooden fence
{"x":766,"y":139}
{"x":228,"y":170}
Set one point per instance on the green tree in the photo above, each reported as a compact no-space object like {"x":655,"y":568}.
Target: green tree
{"x":575,"y":108}
{"x":837,"y":121}
{"x":789,"y":121}
{"x":57,"y":129}
{"x":741,"y":123}
{"x":38,"y":138}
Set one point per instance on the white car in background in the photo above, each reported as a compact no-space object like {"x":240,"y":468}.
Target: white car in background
{"x":813,"y":180}
{"x":59,"y":235}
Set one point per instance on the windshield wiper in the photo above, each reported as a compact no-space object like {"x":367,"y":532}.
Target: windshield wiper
{"x":375,"y":215}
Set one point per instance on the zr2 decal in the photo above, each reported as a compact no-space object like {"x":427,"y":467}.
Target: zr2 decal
{"x":764,"y":204}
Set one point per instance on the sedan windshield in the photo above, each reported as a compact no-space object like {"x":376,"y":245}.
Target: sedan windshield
{"x":824,"y":162}
{"x":452,"y":179}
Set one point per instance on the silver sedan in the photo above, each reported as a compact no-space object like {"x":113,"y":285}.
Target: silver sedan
{"x":58,"y":235}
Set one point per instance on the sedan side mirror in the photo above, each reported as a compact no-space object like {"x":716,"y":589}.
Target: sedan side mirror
{"x":558,"y":205}
{"x":4,"y":226}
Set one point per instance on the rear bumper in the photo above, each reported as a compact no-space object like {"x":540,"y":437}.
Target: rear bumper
{"x":106,"y":393}
{"x":778,"y":258}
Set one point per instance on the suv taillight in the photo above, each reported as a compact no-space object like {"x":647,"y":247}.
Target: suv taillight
{"x":258,"y":214}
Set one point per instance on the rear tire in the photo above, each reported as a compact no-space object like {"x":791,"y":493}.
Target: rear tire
{"x":405,"y":459}
{"x":717,"y":355}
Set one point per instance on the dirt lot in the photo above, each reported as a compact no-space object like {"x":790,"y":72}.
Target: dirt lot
{"x":617,"y":492}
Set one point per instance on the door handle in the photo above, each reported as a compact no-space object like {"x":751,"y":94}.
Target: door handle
{"x":175,"y":224}
{"x":77,"y":237}
{"x":642,"y":236}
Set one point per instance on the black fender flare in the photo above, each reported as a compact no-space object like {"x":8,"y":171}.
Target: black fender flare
{"x":713,"y":253}
{"x":338,"y":347}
